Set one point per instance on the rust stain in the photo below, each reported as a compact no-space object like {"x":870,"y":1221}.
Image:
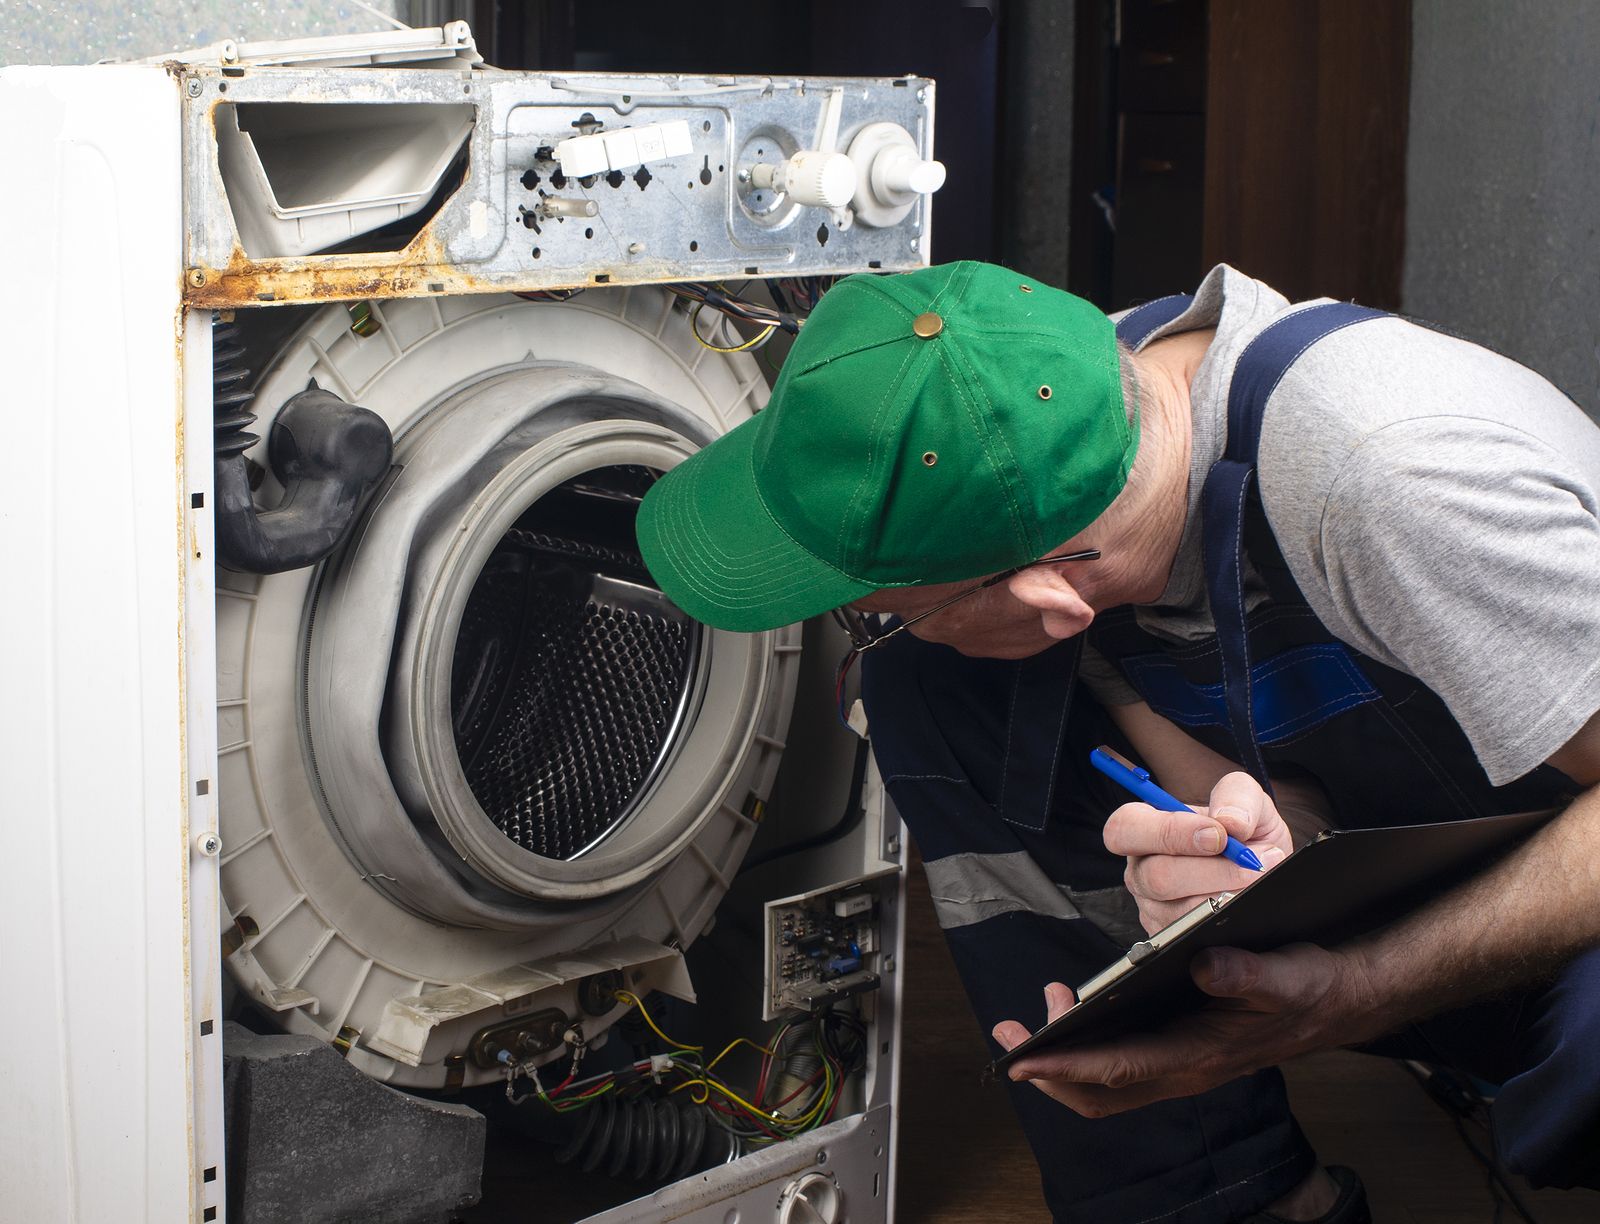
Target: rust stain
{"x":344,"y":278}
{"x":422,"y":269}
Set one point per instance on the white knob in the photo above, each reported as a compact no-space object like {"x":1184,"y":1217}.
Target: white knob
{"x":812,"y":1198}
{"x":820,"y":180}
{"x":903,"y":171}
{"x":892,"y":174}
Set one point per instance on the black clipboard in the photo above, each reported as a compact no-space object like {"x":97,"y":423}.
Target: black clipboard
{"x":1341,"y":885}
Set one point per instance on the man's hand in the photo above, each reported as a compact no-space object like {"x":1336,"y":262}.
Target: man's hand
{"x":1518,"y":921}
{"x":1175,"y":858}
{"x":1266,"y":1007}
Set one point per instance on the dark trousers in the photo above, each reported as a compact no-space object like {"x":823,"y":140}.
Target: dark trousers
{"x":989,"y":770}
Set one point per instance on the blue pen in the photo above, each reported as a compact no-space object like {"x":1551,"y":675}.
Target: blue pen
{"x":1137,"y":783}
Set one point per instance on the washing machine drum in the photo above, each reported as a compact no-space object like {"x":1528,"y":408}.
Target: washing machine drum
{"x":479,"y":737}
{"x":495,"y":689}
{"x":570,"y":674}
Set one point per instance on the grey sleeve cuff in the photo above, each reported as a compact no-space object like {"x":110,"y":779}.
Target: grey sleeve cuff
{"x":1507,"y":760}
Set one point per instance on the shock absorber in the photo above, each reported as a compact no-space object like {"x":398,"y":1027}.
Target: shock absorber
{"x":230,"y":397}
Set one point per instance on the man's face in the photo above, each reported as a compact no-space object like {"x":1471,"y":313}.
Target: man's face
{"x":1027,"y":613}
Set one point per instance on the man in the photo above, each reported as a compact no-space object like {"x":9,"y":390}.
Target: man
{"x":1402,"y":626}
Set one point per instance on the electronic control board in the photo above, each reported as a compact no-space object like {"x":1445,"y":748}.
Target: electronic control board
{"x":825,"y":945}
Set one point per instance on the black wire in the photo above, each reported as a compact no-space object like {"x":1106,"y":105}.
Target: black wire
{"x":779,"y":297}
{"x":731,"y":304}
{"x":853,"y":1058}
{"x":1500,"y":1189}
{"x":847,"y":822}
{"x":1460,"y":1098}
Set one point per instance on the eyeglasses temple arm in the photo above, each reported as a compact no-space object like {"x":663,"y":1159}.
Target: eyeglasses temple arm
{"x":1088,"y":554}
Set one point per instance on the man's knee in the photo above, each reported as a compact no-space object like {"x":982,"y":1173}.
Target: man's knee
{"x":1547,"y":1115}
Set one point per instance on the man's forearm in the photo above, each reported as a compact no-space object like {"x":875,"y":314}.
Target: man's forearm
{"x":1522,"y":918}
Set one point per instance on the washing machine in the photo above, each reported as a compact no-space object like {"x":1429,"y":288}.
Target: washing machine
{"x":342,"y":725}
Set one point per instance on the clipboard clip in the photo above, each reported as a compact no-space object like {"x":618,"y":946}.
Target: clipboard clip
{"x":1146,"y":948}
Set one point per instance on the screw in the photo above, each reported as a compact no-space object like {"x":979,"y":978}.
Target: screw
{"x":922,"y":95}
{"x":636,"y":248}
{"x":196,"y":277}
{"x":209,"y":844}
{"x":194,"y":87}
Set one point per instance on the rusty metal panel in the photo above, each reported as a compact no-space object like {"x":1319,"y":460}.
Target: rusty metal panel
{"x":688,"y":217}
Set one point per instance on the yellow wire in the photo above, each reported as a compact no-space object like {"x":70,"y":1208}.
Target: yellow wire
{"x":732,"y":1096}
{"x":737,"y":1041}
{"x":694,"y":1083}
{"x":633,"y":1000}
{"x":811,"y":1114}
{"x":628,"y":998}
{"x":694,"y":327}
{"x":773,"y":1119}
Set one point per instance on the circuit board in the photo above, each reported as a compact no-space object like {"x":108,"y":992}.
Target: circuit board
{"x":825,"y":945}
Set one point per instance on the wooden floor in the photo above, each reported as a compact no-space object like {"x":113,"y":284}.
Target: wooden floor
{"x":963,"y":1159}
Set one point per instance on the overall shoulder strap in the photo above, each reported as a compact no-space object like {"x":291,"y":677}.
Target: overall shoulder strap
{"x":1256,"y":375}
{"x":1135,"y":326}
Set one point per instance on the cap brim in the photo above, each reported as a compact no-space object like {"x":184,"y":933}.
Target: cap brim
{"x":709,"y":542}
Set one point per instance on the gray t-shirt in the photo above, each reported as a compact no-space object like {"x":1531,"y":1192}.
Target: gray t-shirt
{"x":1438,"y":506}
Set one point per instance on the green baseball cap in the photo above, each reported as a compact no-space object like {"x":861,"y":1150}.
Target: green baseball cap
{"x":933,"y":426}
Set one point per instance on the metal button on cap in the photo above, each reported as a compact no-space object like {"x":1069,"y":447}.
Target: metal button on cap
{"x":927,"y":325}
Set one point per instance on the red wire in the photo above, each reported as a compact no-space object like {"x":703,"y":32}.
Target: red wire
{"x":761,"y":1084}
{"x":838,"y":1070}
{"x":798,"y":1091}
{"x":557,"y":1089}
{"x":838,"y":686}
{"x":736,"y":1113}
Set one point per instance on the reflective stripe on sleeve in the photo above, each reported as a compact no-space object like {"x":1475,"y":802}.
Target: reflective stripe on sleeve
{"x":970,"y":888}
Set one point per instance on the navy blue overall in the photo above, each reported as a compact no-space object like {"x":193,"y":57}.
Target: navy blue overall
{"x":987,"y":762}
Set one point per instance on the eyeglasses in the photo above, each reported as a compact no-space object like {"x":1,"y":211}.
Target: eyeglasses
{"x":865,"y":634}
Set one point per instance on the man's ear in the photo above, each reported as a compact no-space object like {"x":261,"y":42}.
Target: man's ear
{"x":1062,"y":611}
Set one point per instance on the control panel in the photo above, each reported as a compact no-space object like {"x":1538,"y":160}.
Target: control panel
{"x":533,"y":182}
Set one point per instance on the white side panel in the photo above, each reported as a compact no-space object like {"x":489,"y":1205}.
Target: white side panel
{"x":200,"y":734}
{"x":95,"y":1039}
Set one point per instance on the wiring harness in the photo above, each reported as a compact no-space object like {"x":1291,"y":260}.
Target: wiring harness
{"x":803,"y":1070}
{"x":794,"y":298}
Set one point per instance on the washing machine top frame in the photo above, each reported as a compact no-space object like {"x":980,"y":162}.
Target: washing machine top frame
{"x":670,"y":196}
